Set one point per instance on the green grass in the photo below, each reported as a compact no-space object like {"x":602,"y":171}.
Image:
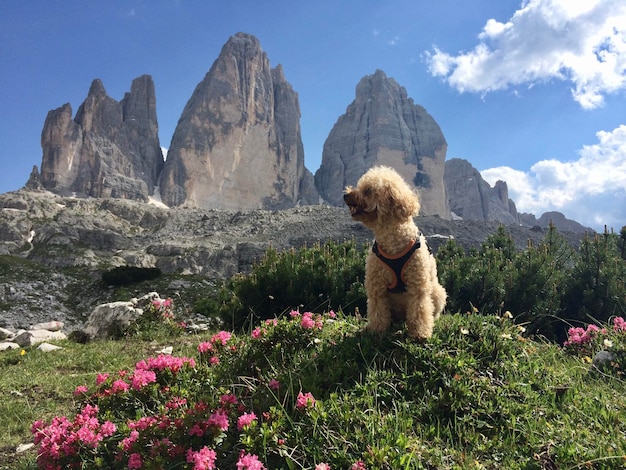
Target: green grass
{"x":476,"y":395}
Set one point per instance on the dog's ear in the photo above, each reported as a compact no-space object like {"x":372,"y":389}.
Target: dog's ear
{"x":400,"y":203}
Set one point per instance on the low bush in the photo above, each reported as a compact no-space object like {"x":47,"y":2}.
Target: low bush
{"x":323,"y":276}
{"x":314,"y":391}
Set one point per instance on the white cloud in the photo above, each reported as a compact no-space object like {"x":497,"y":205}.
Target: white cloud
{"x":590,"y":190}
{"x":579,"y":41}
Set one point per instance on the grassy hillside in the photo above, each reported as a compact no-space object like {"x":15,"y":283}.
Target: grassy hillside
{"x":309,"y":390}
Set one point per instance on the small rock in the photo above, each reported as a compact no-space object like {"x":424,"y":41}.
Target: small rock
{"x":4,"y":333}
{"x":49,"y":325}
{"x":32,"y":337}
{"x":166,"y":350}
{"x":602,"y":360}
{"x":47,"y":347}
{"x":8,"y":345}
{"x":24,"y":447}
{"x":178,"y":284}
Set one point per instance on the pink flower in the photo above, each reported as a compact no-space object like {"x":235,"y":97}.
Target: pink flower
{"x":305,"y":400}
{"x":164,"y":361}
{"x":107,"y":429}
{"x":204,"y":347}
{"x":619,"y":324}
{"x":214,"y":360}
{"x":249,"y":462}
{"x":119,"y":386}
{"x":135,"y":461}
{"x":219,"y":419}
{"x":322,"y":466}
{"x":307,"y":322}
{"x":128,"y":442}
{"x":196,"y":430}
{"x":141,"y":378}
{"x":228,"y":399}
{"x":358,"y":465}
{"x":175,"y":403}
{"x":332,"y":314}
{"x":101,"y":378}
{"x":204,"y":459}
{"x":245,"y":420}
{"x":294,"y":314}
{"x":142,"y":423}
{"x":274,"y":384}
{"x":80,"y":390}
{"x":221,"y":337}
{"x":256,"y":333}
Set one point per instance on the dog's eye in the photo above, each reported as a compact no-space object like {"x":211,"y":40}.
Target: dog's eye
{"x":368,"y":191}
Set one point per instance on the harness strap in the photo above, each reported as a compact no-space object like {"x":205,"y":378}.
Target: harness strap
{"x":396,"y":264}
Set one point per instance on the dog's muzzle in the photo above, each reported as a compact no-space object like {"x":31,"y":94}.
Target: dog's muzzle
{"x":352,"y":204}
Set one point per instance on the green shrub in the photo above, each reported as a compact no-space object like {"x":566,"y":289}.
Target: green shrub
{"x":126,"y":275}
{"x":328,"y":275}
{"x":548,"y":286}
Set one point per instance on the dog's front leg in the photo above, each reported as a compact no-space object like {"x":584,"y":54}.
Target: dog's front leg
{"x":420,"y":316}
{"x":378,"y":303}
{"x":378,"y":314}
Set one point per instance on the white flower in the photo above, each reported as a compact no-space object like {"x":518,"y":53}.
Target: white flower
{"x":608,"y":343}
{"x":505,"y":336}
{"x":464,"y":331}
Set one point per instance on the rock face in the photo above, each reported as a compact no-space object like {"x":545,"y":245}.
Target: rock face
{"x":472,"y":198}
{"x":382,"y":126}
{"x":42,"y":233}
{"x":110,"y":149}
{"x":237,"y":144}
{"x":559,"y":220}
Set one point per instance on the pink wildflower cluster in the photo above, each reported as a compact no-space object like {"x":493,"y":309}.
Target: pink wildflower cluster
{"x":308,"y":320}
{"x":145,"y":373}
{"x":204,"y":459}
{"x":249,"y":462}
{"x":587,"y":340}
{"x":619,"y":324}
{"x":163,"y":308}
{"x":63,"y":438}
{"x":165,"y":362}
{"x":157,"y":419}
{"x":208,"y":349}
{"x":305,"y":401}
{"x":579,"y":336}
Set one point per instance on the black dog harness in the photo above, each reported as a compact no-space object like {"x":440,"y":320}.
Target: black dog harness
{"x":396,"y":264}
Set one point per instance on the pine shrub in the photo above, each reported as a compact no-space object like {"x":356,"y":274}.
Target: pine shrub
{"x":323,"y":276}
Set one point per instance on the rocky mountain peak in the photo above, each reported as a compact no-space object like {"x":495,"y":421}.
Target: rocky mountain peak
{"x":110,"y":149}
{"x":237,"y":144}
{"x":472,"y":198}
{"x":383,"y":126}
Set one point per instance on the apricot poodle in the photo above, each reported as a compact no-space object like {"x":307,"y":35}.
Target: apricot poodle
{"x":400,"y":271}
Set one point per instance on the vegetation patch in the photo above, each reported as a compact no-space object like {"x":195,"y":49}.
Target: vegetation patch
{"x":316,"y":391}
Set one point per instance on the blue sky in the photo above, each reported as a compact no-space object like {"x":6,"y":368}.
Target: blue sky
{"x":531,"y":92}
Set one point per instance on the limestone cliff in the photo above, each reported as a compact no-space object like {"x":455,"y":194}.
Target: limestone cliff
{"x":472,"y":198}
{"x":237,"y":144}
{"x":383,"y":126}
{"x":110,"y":149}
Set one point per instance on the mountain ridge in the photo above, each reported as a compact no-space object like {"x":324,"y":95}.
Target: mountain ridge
{"x":238,"y":146}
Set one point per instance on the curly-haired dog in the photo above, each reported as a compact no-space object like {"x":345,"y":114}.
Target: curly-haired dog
{"x":400,"y":271}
